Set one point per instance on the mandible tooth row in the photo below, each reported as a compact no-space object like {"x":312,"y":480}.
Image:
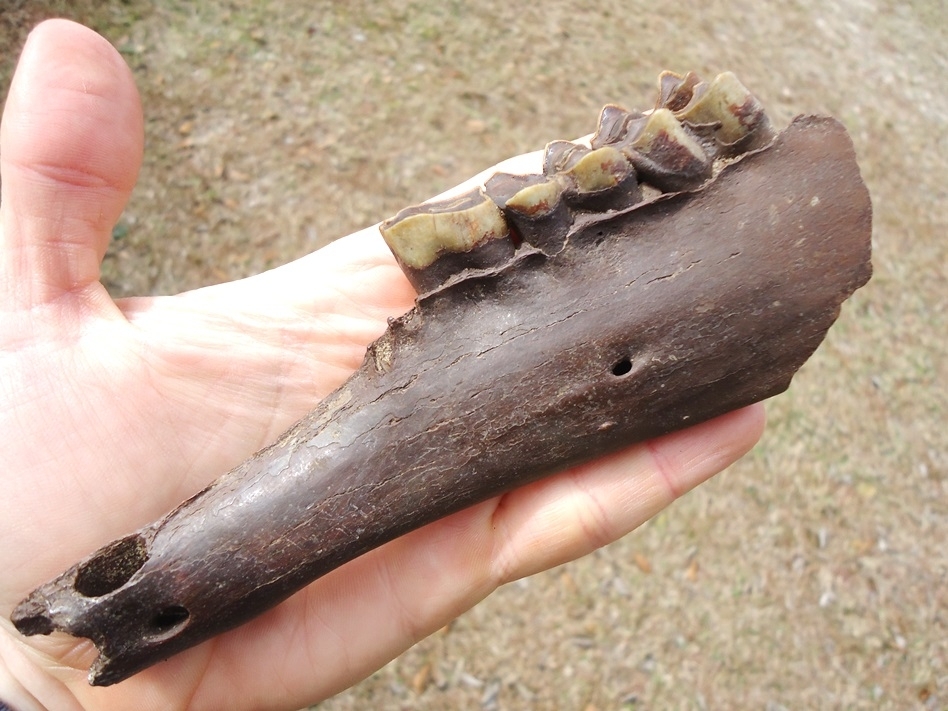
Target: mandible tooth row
{"x":671,"y":148}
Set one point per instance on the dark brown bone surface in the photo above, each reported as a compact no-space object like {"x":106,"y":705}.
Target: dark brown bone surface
{"x":625,"y":325}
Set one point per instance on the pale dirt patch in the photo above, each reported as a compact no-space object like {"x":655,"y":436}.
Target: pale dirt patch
{"x":814,"y":573}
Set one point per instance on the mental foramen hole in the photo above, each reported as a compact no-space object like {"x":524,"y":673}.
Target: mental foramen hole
{"x":169,"y":618}
{"x":623,"y":367}
{"x":111,"y":567}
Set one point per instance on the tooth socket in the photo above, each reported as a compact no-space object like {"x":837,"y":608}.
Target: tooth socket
{"x":436,"y":241}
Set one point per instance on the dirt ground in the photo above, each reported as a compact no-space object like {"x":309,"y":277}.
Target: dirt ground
{"x":814,"y":573}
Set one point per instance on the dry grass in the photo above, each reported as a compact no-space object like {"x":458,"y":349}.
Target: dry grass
{"x":814,"y":573}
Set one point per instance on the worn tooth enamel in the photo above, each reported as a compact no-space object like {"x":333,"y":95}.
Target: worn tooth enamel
{"x":730,"y":108}
{"x":599,"y":169}
{"x":419,"y":235}
{"x":663,"y":133}
{"x":537,"y":207}
{"x":455,"y":226}
{"x":470,"y":228}
{"x":666,"y":155}
{"x":538,"y":199}
{"x":600,"y":178}
{"x":534,"y":207}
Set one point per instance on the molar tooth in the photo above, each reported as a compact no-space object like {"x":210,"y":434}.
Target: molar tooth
{"x":728,"y":112}
{"x":436,"y":240}
{"x":666,"y":155}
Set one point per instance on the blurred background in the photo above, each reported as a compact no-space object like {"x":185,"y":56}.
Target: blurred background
{"x":812,"y":574}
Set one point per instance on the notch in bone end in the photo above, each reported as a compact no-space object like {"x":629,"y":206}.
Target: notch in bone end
{"x":32,"y":617}
{"x":725,"y":116}
{"x":434,"y":241}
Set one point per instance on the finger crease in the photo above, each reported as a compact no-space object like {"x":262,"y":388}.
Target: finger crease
{"x":663,"y":469}
{"x":595,"y":526}
{"x":67,"y":176}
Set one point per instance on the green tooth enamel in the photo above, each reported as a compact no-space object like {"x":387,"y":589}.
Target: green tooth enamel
{"x":673,"y":158}
{"x":538,"y":199}
{"x":418,"y":239}
{"x":663,"y":129}
{"x":599,"y":169}
{"x":725,"y":101}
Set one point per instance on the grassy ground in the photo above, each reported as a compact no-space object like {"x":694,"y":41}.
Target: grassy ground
{"x":814,"y":573}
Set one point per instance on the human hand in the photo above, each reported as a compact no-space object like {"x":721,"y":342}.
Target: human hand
{"x":114,"y":412}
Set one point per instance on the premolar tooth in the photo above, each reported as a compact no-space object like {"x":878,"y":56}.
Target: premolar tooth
{"x":597,"y":169}
{"x":730,"y":112}
{"x":533,"y":206}
{"x":436,"y":240}
{"x":666,"y":155}
{"x":538,"y":199}
{"x":676,"y":91}
{"x":557,"y":155}
{"x":529,"y":195}
{"x":614,"y":125}
{"x":594,"y":178}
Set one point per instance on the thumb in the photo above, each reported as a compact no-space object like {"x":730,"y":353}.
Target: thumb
{"x":70,"y":149}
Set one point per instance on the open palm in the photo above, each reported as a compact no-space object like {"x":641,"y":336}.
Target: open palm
{"x":114,"y":412}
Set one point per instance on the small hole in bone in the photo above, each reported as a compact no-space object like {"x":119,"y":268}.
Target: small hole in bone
{"x":623,"y":367}
{"x":169,"y":617}
{"x":111,"y":567}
